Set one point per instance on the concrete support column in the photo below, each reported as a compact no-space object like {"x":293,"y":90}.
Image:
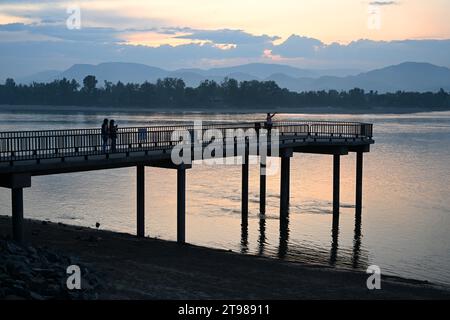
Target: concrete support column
{"x":17,"y":214}
{"x":336,"y":183}
{"x":262,"y":186}
{"x":359,"y":178}
{"x":140,"y":200}
{"x":181,"y":205}
{"x":244,"y":201}
{"x":16,"y":182}
{"x":244,"y":205}
{"x":285,"y":183}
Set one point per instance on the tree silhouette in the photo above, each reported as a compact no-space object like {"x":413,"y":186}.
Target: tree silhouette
{"x":172,"y":92}
{"x":89,"y":84}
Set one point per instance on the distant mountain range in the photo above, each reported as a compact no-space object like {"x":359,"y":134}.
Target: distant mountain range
{"x":408,"y":76}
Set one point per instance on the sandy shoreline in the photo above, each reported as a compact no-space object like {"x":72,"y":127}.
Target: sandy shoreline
{"x":155,"y":269}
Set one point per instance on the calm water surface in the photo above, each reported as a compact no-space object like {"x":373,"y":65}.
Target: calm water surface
{"x":405,"y":227}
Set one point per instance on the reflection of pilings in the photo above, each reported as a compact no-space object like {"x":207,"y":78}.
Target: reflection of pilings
{"x":244,"y":236}
{"x":262,"y":233}
{"x":284,"y":235}
{"x":334,"y":239}
{"x":357,"y":240}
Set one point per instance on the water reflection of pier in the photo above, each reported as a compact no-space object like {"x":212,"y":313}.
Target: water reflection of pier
{"x":283,"y":247}
{"x":288,"y":251}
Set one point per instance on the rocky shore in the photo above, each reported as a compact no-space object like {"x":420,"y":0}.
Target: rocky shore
{"x":39,"y":273}
{"x":120,"y":266}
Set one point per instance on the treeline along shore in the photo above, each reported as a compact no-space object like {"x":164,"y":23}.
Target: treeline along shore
{"x":172,"y":92}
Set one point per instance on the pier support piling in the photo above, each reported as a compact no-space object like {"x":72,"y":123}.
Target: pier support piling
{"x":285,"y":181}
{"x":17,"y":214}
{"x":16,"y":182}
{"x":181,"y":205}
{"x":140,"y":200}
{"x":359,"y":178}
{"x":262,"y":186}
{"x":336,"y":183}
{"x":244,"y":205}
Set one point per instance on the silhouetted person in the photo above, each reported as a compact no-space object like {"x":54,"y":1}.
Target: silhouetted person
{"x":113,"y":135}
{"x":105,"y":134}
{"x":269,"y":122}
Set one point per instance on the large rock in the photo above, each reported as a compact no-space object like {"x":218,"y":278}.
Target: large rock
{"x":40,"y":273}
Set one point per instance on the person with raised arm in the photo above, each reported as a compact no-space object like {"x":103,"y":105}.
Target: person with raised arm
{"x":269,"y":122}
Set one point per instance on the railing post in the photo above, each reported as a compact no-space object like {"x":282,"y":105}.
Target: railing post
{"x":140,"y":200}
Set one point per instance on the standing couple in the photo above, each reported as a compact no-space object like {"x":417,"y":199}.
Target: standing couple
{"x":109,"y":131}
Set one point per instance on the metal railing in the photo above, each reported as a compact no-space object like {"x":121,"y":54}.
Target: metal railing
{"x":44,"y":144}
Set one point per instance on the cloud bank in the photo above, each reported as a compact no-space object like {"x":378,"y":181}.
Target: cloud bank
{"x":48,"y":45}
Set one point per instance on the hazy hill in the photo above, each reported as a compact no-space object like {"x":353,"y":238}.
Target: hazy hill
{"x":262,"y":70}
{"x":411,"y":76}
{"x":134,"y":72}
{"x":408,"y":76}
{"x":43,"y":76}
{"x":114,"y":71}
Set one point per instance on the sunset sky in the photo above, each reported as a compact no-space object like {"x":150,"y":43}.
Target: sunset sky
{"x":328,"y":20}
{"x":223,"y":32}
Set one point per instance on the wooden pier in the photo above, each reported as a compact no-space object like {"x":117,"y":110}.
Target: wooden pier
{"x":24,"y":154}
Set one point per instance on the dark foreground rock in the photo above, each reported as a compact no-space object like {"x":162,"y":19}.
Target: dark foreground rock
{"x":40,"y":273}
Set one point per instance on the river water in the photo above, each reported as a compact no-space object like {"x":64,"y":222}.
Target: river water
{"x":405,"y":226}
